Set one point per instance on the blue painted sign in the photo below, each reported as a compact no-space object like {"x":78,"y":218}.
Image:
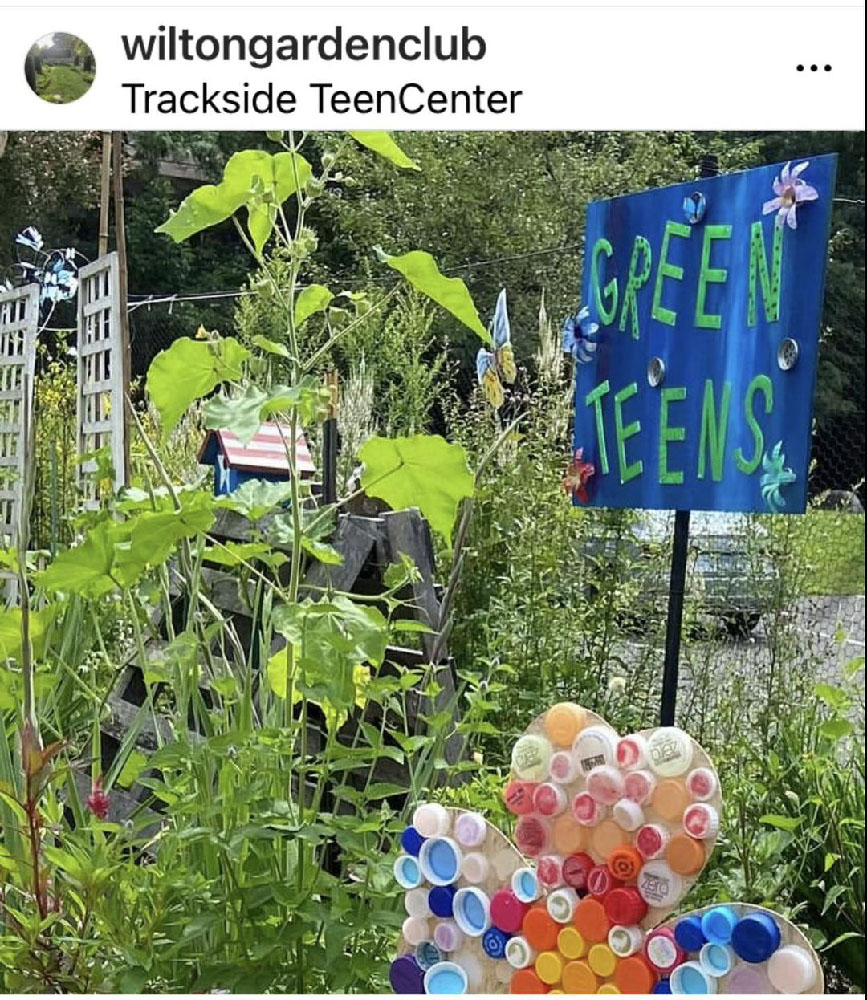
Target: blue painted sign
{"x":695,"y":350}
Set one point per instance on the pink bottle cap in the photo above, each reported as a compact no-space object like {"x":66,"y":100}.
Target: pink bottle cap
{"x":639,"y":786}
{"x":701,"y":821}
{"x":605,"y":784}
{"x":748,"y":979}
{"x":448,"y":936}
{"x":702,"y":784}
{"x":563,"y":767}
{"x":662,"y":950}
{"x":652,"y":840}
{"x":791,"y":969}
{"x":549,"y":799}
{"x":549,"y":870}
{"x":531,"y":836}
{"x":507,"y":911}
{"x":586,"y":810}
{"x":632,"y":752}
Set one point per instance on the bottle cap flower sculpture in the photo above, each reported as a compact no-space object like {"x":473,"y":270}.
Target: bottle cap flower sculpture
{"x":615,"y":831}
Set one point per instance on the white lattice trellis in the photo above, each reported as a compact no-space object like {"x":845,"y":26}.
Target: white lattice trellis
{"x":100,"y":373}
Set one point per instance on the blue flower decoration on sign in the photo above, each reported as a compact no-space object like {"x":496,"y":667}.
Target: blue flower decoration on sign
{"x":775,"y":477}
{"x":694,"y":207}
{"x":580,"y":336}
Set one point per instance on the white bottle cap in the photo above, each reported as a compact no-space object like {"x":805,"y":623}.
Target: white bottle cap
{"x":669,"y":751}
{"x":701,"y":821}
{"x":702,"y":784}
{"x":407,"y":872}
{"x":473,"y":969}
{"x":586,"y":810}
{"x":448,"y":936}
{"x":431,"y":820}
{"x":470,"y":829}
{"x":561,"y":905}
{"x":415,"y":930}
{"x":628,"y":815}
{"x":651,"y":840}
{"x":525,"y":885}
{"x":625,"y":941}
{"x":691,"y":978}
{"x":605,"y":784}
{"x":519,"y":954}
{"x":415,"y":903}
{"x":475,"y":867}
{"x":791,"y":969}
{"x":595,"y":746}
{"x":549,"y":799}
{"x":445,"y":973}
{"x":717,"y":960}
{"x":639,"y":786}
{"x":632,"y":752}
{"x":531,"y":757}
{"x":563,"y":767}
{"x":659,"y":885}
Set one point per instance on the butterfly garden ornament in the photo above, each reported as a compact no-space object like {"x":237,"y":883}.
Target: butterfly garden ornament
{"x":493,"y":367}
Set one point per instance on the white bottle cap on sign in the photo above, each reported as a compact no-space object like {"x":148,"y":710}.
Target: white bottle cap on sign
{"x":519,"y":954}
{"x":639,"y":786}
{"x":415,"y":903}
{"x":605,"y":784}
{"x":595,"y":746}
{"x":632,"y":752}
{"x":791,"y":969}
{"x":628,"y":815}
{"x":475,"y":867}
{"x":659,"y":885}
{"x":415,"y":930}
{"x":625,"y":941}
{"x":470,"y":829}
{"x":702,"y":784}
{"x":431,"y":819}
{"x":701,"y":821}
{"x":563,"y":767}
{"x":561,"y":905}
{"x":669,"y":751}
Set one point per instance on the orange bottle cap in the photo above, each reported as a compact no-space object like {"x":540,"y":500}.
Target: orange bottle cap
{"x":540,"y":929}
{"x":602,"y":960}
{"x":607,"y":837}
{"x":591,"y":922}
{"x":568,"y":836}
{"x":625,"y":863}
{"x":549,"y":967}
{"x":685,"y":855}
{"x":563,"y":722}
{"x":670,"y":798}
{"x":526,"y":981}
{"x":634,"y":975}
{"x":570,"y":943}
{"x":578,"y":977}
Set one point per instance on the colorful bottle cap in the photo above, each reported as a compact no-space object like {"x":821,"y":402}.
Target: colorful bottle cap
{"x":628,"y":815}
{"x":748,"y":979}
{"x":634,"y":975}
{"x":563,"y":767}
{"x":669,"y":801}
{"x":531,"y":756}
{"x":600,"y":881}
{"x":494,"y":942}
{"x":448,"y":936}
{"x":563,"y":723}
{"x":586,"y":810}
{"x":567,"y":835}
{"x":570,"y":944}
{"x":659,"y":885}
{"x":717,"y":924}
{"x":607,"y":836}
{"x":685,"y":855}
{"x":472,"y":966}
{"x":415,"y":903}
{"x":624,"y":906}
{"x":718,"y":959}
{"x":549,"y":967}
{"x":632,"y":752}
{"x":549,"y":870}
{"x":431,"y":820}
{"x":701,"y":821}
{"x":475,"y":867}
{"x":525,"y":885}
{"x":663,"y":986}
{"x":549,"y":799}
{"x":405,"y":975}
{"x":561,"y":905}
{"x":625,"y":863}
{"x":595,"y":746}
{"x":576,"y":868}
{"x":472,"y":911}
{"x":754,"y":937}
{"x":791,"y":969}
{"x":608,"y":988}
{"x":669,"y":751}
{"x":507,"y":911}
{"x":578,"y":977}
{"x":518,"y":796}
{"x":526,"y":981}
{"x":652,"y":840}
{"x":688,"y":933}
{"x":415,"y":930}
{"x":531,"y":836}
{"x":591,"y":921}
{"x":639,"y":786}
{"x":519,"y":953}
{"x":605,"y":784}
{"x":662,"y":950}
{"x":702,"y":784}
{"x":411,"y":841}
{"x":446,"y":977}
{"x":625,"y":941}
{"x":470,"y":829}
{"x":427,"y":955}
{"x":602,"y":960}
{"x":440,"y":860}
{"x":690,"y":978}
{"x":441,"y":900}
{"x":540,"y":930}
{"x":407,"y":873}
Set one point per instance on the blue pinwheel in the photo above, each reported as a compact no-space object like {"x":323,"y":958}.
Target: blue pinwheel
{"x":580,"y":336}
{"x":775,"y":477}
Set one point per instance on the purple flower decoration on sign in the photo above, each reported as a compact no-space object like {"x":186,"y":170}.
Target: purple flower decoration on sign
{"x":791,"y":190}
{"x":580,"y":336}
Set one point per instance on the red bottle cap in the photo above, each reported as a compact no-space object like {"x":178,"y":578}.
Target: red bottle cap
{"x":531,"y":836}
{"x":518,"y":796}
{"x":624,"y":906}
{"x":507,"y":911}
{"x":576,"y":868}
{"x":600,"y":881}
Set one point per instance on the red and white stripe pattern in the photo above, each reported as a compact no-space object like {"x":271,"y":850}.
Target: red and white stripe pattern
{"x":266,"y":452}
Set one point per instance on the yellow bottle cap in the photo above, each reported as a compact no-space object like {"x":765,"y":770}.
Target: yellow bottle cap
{"x":571,"y":944}
{"x":602,"y":960}
{"x":608,"y":988}
{"x":549,"y":967}
{"x":563,"y":722}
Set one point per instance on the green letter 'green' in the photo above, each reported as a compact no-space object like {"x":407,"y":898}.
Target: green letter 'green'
{"x":713,"y":433}
{"x":627,"y":472}
{"x":606,"y":315}
{"x":595,"y":397}
{"x":640,"y":249}
{"x":761,"y":383}
{"x":710,"y":321}
{"x":759,"y":268}
{"x":666,"y":434}
{"x":666,"y":270}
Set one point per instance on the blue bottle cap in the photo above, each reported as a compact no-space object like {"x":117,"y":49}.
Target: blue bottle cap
{"x":718,"y":923}
{"x":441,"y":900}
{"x":494,"y":942}
{"x":756,"y":937}
{"x":406,"y":975}
{"x":446,"y":977}
{"x":427,"y":955}
{"x":411,"y":841}
{"x":688,"y":933}
{"x":663,"y":986}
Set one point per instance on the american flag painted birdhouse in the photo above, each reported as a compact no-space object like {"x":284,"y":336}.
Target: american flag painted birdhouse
{"x":263,"y":458}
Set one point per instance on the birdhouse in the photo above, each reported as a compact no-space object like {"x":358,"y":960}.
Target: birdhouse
{"x":264,"y":457}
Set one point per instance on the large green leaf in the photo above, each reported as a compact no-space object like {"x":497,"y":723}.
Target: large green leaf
{"x":10,"y":631}
{"x":423,"y":471}
{"x":256,"y":497}
{"x":188,"y":370}
{"x":239,"y":414}
{"x":312,"y":299}
{"x":382,"y":143}
{"x":421,"y":271}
